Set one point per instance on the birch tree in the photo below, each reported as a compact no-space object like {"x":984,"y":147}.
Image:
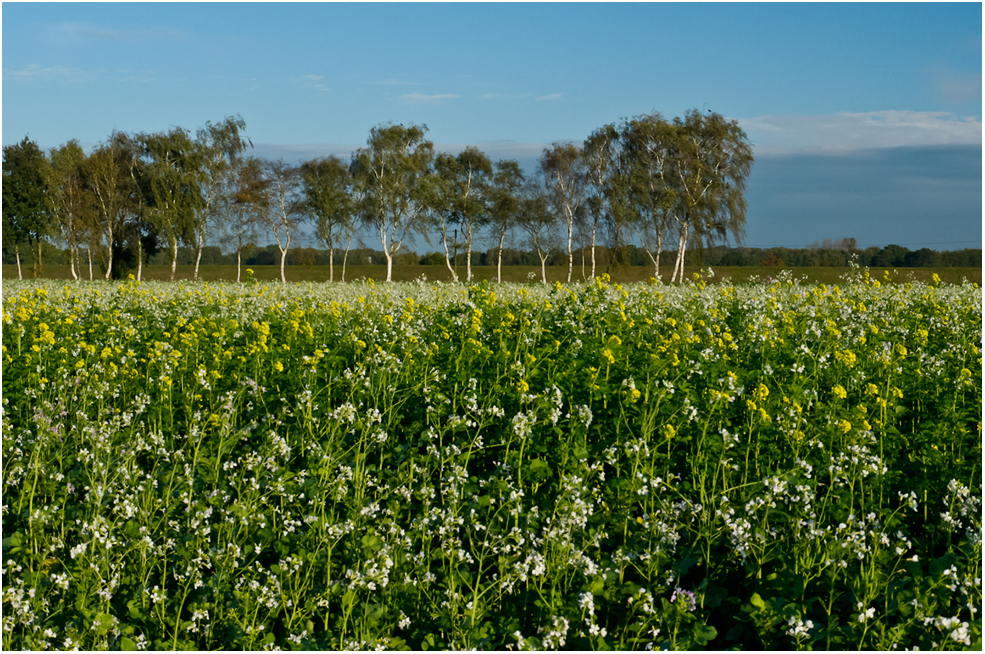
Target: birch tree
{"x":110,"y":175}
{"x":285,"y":205}
{"x":174,"y":172}
{"x":71,"y":201}
{"x":220,"y":146}
{"x":246,"y":208}
{"x":388,"y":171}
{"x":504,"y":203}
{"x":712,"y":158}
{"x":535,"y":219}
{"x":329,"y":201}
{"x":564,"y":177}
{"x":600,"y":155}
{"x":644,"y":185}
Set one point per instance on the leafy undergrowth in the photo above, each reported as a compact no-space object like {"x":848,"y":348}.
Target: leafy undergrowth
{"x":778,"y":466}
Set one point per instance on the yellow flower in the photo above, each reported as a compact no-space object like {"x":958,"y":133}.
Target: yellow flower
{"x":840,"y":391}
{"x":278,"y":366}
{"x":669,"y":431}
{"x":607,"y":355}
{"x":844,"y":426}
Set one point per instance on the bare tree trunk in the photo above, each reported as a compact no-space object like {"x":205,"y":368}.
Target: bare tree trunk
{"x":571,"y":256}
{"x":468,"y":260}
{"x":386,"y":250}
{"x":239,"y":260}
{"x":17,"y":251}
{"x":331,"y":264}
{"x":89,"y":254}
{"x":679,"y":263}
{"x":444,"y":243}
{"x":37,"y":262}
{"x":656,"y":264}
{"x":72,"y":253}
{"x":140,"y":258}
{"x":174,"y":257}
{"x":543,"y":270}
{"x":198,"y":258}
{"x":499,"y":265}
{"x":109,"y":256}
{"x":594,"y":229}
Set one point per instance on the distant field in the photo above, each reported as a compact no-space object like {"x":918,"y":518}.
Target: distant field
{"x":736,"y":274}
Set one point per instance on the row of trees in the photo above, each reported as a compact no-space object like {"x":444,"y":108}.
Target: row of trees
{"x":646,"y":179}
{"x":890,"y":256}
{"x":129,"y":197}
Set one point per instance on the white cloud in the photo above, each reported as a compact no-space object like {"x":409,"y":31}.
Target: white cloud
{"x":392,"y":82}
{"x":956,"y":87}
{"x":310,"y":82}
{"x":88,"y":31}
{"x":421,"y":98}
{"x":844,"y":132}
{"x":552,"y":96}
{"x":36,"y":72}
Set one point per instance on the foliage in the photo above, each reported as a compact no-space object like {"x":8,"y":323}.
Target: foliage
{"x":202,"y":466}
{"x":388,"y":173}
{"x":26,"y":201}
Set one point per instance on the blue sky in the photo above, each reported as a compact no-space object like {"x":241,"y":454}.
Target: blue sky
{"x":865,"y":118}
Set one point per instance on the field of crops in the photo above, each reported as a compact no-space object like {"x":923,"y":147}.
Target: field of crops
{"x":209,"y":466}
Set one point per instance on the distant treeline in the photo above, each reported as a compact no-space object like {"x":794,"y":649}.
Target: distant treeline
{"x":891,"y":256}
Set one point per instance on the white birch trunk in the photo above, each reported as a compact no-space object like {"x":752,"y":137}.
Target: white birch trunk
{"x":109,"y":256}
{"x":571,"y":256}
{"x":594,"y":229}
{"x":198,"y":257}
{"x":72,"y":253}
{"x":499,"y":264}
{"x":174,"y":257}
{"x":679,"y":263}
{"x":444,"y":244}
{"x":468,"y":260}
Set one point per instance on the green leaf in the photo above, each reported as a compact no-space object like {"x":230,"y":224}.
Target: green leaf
{"x":704,"y":634}
{"x":940,"y":564}
{"x":135,"y":609}
{"x":127,"y":645}
{"x":758,"y":602}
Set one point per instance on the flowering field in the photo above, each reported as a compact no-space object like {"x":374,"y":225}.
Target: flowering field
{"x":202,"y":466}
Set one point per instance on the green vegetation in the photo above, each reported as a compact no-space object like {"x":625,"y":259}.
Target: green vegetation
{"x":327,"y":466}
{"x":517,"y":273}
